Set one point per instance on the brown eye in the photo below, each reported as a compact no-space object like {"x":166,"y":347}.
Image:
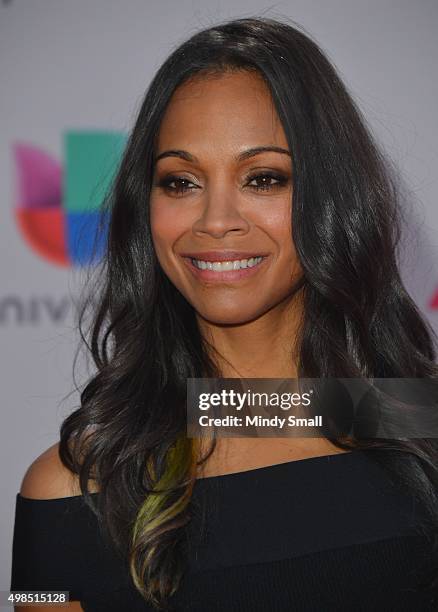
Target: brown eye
{"x":265,"y":181}
{"x":181,"y":185}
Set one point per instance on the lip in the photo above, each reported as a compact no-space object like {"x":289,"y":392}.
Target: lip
{"x":223,"y":255}
{"x":226,"y":275}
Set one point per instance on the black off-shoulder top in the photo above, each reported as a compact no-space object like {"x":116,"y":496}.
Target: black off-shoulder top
{"x":324,"y":534}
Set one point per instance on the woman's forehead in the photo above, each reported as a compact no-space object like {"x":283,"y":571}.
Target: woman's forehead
{"x":234,"y":108}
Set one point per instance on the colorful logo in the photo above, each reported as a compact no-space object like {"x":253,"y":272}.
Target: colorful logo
{"x":57,"y":209}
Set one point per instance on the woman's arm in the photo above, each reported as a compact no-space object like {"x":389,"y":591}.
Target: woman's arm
{"x":48,"y":478}
{"x":73,"y":606}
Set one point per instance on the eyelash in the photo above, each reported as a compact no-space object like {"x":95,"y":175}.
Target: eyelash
{"x":281,"y":181}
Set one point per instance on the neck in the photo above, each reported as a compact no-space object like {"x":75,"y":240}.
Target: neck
{"x":265,"y":347}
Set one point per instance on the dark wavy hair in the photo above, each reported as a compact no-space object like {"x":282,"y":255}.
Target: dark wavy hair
{"x":129,"y":433}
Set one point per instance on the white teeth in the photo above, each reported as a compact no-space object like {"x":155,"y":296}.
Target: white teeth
{"x":222,"y":266}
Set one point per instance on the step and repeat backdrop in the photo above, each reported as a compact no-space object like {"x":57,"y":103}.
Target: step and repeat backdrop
{"x":72,"y":76}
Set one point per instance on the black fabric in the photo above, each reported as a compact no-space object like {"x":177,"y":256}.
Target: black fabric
{"x":319,"y":535}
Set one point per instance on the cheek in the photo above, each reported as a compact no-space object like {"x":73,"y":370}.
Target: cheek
{"x":277,"y":223}
{"x":165,"y":229}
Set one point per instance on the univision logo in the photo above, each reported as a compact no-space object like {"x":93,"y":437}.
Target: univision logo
{"x":57,"y":205}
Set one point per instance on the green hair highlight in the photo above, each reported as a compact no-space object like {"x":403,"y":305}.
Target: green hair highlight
{"x":158,"y":514}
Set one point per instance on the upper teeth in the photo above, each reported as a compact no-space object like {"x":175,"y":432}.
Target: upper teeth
{"x":220,"y":266}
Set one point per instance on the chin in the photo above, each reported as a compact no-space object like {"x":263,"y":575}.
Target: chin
{"x":228,"y":316}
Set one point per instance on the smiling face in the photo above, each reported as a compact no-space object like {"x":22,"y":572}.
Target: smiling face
{"x":219,"y":200}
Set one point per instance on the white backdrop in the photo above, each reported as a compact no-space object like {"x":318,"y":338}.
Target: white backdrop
{"x":84,"y":65}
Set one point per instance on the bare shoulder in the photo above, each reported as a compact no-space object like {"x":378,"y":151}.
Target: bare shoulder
{"x":48,"y":478}
{"x":72,"y":606}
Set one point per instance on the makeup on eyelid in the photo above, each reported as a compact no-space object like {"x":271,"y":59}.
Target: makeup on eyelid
{"x":282,"y":180}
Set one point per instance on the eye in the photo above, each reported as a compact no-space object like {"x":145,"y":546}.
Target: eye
{"x":265,"y":179}
{"x":179,"y":185}
{"x":180,"y":181}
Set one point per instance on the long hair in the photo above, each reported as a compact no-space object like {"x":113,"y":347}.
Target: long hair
{"x":128,"y":435}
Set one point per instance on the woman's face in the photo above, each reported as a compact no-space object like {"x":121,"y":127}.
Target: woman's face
{"x":215,"y":199}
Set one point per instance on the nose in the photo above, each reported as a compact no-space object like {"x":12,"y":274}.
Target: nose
{"x":221,"y":214}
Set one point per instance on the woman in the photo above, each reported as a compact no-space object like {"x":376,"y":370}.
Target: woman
{"x":247,"y":148}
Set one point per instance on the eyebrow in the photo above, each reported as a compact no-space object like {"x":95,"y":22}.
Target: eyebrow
{"x":241,"y":157}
